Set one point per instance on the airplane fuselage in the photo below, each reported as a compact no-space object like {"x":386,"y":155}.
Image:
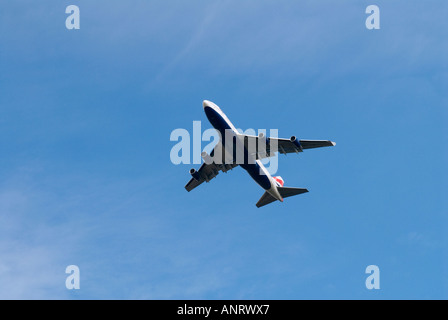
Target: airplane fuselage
{"x":254,"y":167}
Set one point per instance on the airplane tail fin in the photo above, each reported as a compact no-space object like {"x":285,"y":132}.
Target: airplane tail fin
{"x":285,"y":192}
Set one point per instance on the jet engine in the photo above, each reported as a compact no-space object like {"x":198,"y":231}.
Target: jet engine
{"x":194,"y":174}
{"x":207,"y":158}
{"x":296,"y":142}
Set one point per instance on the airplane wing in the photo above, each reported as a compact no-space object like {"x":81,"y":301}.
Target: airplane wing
{"x":263,"y":147}
{"x":208,"y":171}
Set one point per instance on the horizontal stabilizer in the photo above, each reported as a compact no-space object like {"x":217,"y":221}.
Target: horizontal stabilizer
{"x":265,"y":199}
{"x":310,"y":144}
{"x":285,"y":192}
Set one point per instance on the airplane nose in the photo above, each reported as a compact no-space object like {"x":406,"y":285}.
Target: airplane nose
{"x":205,"y":103}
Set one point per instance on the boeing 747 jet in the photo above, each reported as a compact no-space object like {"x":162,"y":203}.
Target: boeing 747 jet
{"x":235,"y":149}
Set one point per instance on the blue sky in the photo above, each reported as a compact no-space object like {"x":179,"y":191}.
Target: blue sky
{"x":86,"y":177}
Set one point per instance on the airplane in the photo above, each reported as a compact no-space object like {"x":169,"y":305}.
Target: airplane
{"x":235,"y":149}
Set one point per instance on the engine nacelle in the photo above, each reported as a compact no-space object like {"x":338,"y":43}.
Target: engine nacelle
{"x":206,"y":157}
{"x":296,"y":142}
{"x":194,"y":174}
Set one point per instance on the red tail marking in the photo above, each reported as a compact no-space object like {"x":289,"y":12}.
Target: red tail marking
{"x":279,"y":180}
